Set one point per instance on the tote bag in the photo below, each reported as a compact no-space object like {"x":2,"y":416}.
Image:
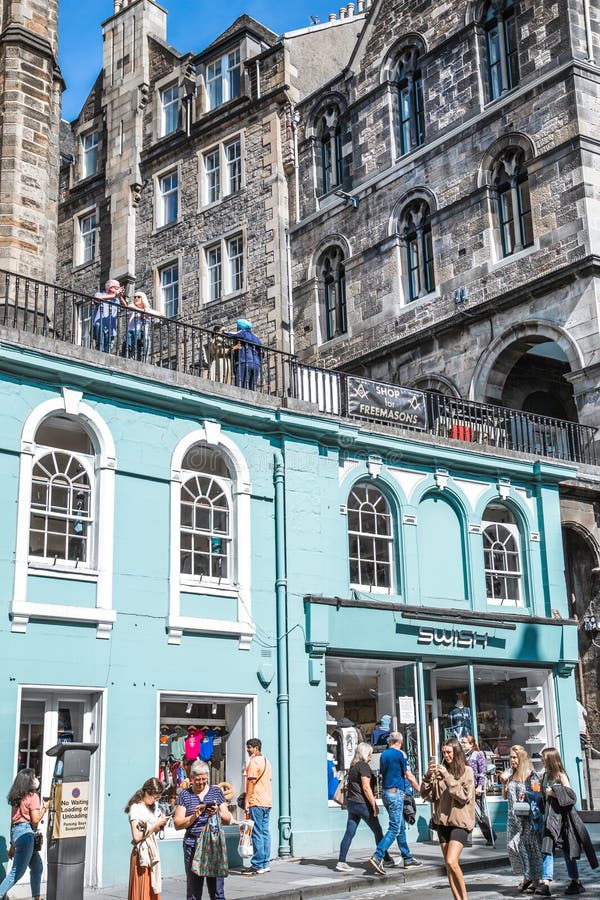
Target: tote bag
{"x":210,"y":855}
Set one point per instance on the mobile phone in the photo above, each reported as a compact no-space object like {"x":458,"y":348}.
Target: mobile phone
{"x":433,"y":761}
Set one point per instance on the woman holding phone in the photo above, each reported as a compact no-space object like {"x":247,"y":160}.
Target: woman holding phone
{"x":521,"y":787}
{"x":450,"y":788}
{"x":194,"y":808}
{"x":146,"y":819}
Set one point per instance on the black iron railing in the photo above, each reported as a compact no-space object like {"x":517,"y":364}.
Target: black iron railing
{"x":221,"y":356}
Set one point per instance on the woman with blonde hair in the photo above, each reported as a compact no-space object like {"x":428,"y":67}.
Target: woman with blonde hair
{"x":521,"y":787}
{"x":360,"y":802}
{"x":561,"y":825}
{"x":450,"y":788}
{"x":146,"y":820}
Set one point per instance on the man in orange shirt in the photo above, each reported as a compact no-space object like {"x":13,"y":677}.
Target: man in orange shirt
{"x":259,"y":800}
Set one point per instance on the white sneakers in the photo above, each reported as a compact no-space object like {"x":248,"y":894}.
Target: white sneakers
{"x":343,"y":867}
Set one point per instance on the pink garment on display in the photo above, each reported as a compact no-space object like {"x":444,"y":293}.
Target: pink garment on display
{"x":192,"y":745}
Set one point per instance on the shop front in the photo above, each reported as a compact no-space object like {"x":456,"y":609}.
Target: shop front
{"x":503,"y":680}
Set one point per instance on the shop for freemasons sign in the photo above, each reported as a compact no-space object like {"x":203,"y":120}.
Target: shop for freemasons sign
{"x":386,"y":403}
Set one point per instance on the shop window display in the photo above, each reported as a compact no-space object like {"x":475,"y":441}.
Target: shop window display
{"x":200,"y":728}
{"x":368,"y":698}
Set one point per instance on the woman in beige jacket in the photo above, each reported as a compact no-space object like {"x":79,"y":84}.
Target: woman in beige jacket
{"x":450,"y":789}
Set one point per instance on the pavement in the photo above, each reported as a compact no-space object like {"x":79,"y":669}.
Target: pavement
{"x":315,"y":877}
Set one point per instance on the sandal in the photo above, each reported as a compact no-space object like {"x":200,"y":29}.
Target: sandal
{"x":524,"y":885}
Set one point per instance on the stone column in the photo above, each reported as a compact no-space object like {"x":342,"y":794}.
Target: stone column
{"x":30,"y":100}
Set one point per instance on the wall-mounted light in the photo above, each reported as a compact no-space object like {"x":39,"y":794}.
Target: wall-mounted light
{"x":188,"y":709}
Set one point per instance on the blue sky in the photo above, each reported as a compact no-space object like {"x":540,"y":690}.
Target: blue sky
{"x":191,"y":25}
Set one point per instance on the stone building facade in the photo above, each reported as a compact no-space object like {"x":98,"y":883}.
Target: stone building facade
{"x":30,"y":95}
{"x":408,"y":192}
{"x":448,"y":238}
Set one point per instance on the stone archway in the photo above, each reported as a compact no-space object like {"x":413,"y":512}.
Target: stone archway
{"x":526,"y":368}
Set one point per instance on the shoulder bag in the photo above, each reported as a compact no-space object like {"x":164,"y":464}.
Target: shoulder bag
{"x":521,"y":808}
{"x":340,"y":793}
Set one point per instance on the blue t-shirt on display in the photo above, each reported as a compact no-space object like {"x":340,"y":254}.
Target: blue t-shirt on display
{"x":393,"y":765}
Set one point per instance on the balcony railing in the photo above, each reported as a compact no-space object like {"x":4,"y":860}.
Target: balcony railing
{"x":67,"y":316}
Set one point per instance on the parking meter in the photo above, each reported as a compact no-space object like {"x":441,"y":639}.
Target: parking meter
{"x":67,"y":823}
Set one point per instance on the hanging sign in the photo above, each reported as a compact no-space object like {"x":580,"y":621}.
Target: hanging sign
{"x":406,"y":710}
{"x":70,"y":809}
{"x":386,"y":403}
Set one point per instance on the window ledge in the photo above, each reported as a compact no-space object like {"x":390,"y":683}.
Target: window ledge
{"x":207,"y":207}
{"x":506,"y":260}
{"x":225,"y":297}
{"x":177,"y":625}
{"x":366,"y":589}
{"x":78,"y":267}
{"x":160,"y":229}
{"x":48,"y":570}
{"x":21,"y":613}
{"x":426,"y":298}
{"x":192,"y":586}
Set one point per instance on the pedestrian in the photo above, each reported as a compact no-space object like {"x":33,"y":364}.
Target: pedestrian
{"x":195,"y":806}
{"x":106,"y":310}
{"x":220,"y":352}
{"x":138,"y":326}
{"x":360,"y":802}
{"x":247,"y":356}
{"x":26,"y":814}
{"x":521,"y":787}
{"x":396,"y":780}
{"x":146,"y":819}
{"x":478,"y":762}
{"x":562,"y":826}
{"x":259,"y":800}
{"x":450,"y":788}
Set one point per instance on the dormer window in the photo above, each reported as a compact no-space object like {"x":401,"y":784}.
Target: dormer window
{"x":169,"y":108}
{"x":224,"y":79}
{"x":89,"y":153}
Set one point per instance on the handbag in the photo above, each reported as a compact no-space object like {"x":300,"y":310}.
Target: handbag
{"x":38,"y":840}
{"x":433,"y":826}
{"x":210,"y":855}
{"x":241,"y":800}
{"x":521,"y":808}
{"x":340,"y":793}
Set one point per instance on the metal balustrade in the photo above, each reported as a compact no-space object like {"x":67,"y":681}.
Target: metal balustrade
{"x":63,"y":315}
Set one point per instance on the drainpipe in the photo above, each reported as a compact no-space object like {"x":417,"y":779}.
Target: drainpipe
{"x":294,"y":120}
{"x":283,"y":700}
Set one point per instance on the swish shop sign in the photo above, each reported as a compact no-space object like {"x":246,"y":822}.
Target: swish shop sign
{"x":386,"y":403}
{"x":452,"y":637}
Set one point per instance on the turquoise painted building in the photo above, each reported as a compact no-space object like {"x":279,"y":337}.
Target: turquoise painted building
{"x":182,"y":560}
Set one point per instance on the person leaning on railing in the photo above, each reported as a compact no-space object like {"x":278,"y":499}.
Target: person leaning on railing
{"x":138,"y":327}
{"x":106,"y":310}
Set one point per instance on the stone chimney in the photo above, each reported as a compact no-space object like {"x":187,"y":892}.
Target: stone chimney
{"x":125,"y":92}
{"x":30,"y":102}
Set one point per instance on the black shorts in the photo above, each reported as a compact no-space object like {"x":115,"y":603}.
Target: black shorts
{"x":449,"y":833}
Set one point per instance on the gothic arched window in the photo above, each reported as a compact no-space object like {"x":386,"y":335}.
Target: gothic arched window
{"x":415,"y":230}
{"x":511,"y":185}
{"x":370,"y":538}
{"x":332,"y":290}
{"x":411,"y":113}
{"x":330,"y":146}
{"x":502,"y":556}
{"x":206,"y":498}
{"x":502,"y":48}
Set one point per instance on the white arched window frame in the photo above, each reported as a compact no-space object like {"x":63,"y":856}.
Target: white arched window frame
{"x":503,"y":560}
{"x":53,"y":476}
{"x":370,"y":539}
{"x":238,"y":583}
{"x":205,"y":536}
{"x":99,"y":569}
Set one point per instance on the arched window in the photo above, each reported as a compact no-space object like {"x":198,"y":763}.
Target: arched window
{"x":370,"y":538}
{"x":332,"y":289}
{"x":205,"y":535}
{"x":61,"y":519}
{"x":511,"y":184}
{"x":502,"y":556}
{"x":415,"y":230}
{"x":411,"y":113}
{"x":502,"y":48}
{"x":330,"y":144}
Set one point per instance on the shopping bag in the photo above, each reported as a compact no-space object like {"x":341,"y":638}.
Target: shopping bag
{"x":210,"y":855}
{"x":340,"y":793}
{"x":245,"y":846}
